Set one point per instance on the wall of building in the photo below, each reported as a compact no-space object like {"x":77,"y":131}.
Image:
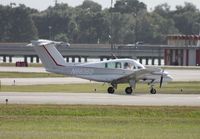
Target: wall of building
{"x":192,"y":57}
{"x":184,"y":50}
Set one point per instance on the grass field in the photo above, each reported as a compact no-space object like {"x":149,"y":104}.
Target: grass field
{"x":13,"y":65}
{"x":110,"y":122}
{"x":27,"y":75}
{"x":170,"y":88}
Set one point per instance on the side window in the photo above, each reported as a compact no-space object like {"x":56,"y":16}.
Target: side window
{"x":118,"y":65}
{"x":106,"y":65}
{"x":110,"y":65}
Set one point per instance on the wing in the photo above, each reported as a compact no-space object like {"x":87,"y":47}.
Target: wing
{"x":136,"y":75}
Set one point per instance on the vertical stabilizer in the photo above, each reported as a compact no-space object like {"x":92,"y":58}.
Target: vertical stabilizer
{"x":49,"y":55}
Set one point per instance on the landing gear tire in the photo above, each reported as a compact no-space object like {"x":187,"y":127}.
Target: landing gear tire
{"x":129,"y":90}
{"x":153,"y":91}
{"x":111,"y":90}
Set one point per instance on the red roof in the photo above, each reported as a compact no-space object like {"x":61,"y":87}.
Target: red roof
{"x":183,"y":37}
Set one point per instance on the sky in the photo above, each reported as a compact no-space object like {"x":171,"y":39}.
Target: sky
{"x":43,"y":4}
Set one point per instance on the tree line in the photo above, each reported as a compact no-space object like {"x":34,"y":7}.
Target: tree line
{"x":128,"y":21}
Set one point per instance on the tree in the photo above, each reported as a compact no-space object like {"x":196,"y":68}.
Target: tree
{"x":61,"y":37}
{"x":161,"y":27}
{"x":5,"y":23}
{"x":163,"y":10}
{"x":129,"y":6}
{"x":131,"y":10}
{"x":58,"y":17}
{"x":90,"y":5}
{"x":23,"y":28}
{"x":73,"y":31}
{"x":92,"y":25}
{"x":88,"y":23}
{"x":187,"y":19}
{"x":17,"y":24}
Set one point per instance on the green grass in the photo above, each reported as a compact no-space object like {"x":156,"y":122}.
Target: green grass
{"x":171,"y":88}
{"x":13,"y":65}
{"x":27,"y":75}
{"x":181,"y":67}
{"x":111,"y":122}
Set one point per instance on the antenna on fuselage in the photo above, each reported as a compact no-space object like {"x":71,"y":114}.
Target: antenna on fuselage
{"x":114,"y":56}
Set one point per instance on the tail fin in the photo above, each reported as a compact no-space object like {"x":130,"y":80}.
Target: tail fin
{"x":49,"y":55}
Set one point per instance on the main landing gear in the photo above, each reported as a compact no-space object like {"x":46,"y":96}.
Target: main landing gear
{"x":128,"y":90}
{"x":111,"y":90}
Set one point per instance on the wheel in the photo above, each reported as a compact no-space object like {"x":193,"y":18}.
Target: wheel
{"x":111,"y":90}
{"x":153,"y":91}
{"x":128,"y":90}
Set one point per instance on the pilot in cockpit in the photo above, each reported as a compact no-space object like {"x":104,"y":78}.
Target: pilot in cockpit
{"x":127,"y":66}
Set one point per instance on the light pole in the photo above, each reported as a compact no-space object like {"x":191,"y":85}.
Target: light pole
{"x":111,"y":26}
{"x":135,"y":27}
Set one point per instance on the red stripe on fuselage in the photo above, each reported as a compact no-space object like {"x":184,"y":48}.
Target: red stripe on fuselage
{"x":52,"y":57}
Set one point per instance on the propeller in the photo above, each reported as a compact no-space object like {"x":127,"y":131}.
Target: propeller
{"x":161,"y":79}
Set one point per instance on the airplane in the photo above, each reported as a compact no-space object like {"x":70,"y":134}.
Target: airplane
{"x":113,"y":72}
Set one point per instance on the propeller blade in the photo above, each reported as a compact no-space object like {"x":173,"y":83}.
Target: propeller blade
{"x":161,"y":79}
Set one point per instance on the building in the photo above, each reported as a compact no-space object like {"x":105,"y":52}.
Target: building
{"x":183,"y":50}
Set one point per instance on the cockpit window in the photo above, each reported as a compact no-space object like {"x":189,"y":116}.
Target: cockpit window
{"x":128,"y":65}
{"x":139,"y":67}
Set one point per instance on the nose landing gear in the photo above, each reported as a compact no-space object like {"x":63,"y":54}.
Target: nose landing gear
{"x":152,"y":90}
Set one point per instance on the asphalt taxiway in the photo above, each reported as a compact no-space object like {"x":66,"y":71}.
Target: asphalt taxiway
{"x":100,"y":99}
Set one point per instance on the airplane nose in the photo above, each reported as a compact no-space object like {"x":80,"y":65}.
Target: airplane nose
{"x":168,"y":78}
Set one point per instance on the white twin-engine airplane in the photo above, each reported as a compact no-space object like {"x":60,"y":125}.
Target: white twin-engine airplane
{"x":114,"y":71}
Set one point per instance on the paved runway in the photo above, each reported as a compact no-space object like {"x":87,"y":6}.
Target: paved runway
{"x":101,"y":99}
